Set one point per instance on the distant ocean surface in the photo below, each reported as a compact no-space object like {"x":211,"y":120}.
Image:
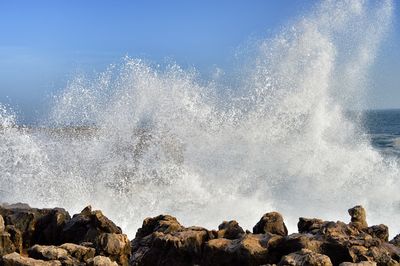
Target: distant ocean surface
{"x":383,"y":126}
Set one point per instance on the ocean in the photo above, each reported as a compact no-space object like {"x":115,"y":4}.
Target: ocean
{"x":140,"y":139}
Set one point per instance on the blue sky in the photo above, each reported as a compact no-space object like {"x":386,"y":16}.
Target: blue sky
{"x":45,"y":43}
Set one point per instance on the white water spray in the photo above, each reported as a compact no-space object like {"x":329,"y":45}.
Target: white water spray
{"x":159,"y":141}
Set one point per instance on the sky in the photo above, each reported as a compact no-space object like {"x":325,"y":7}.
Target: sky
{"x":45,"y":43}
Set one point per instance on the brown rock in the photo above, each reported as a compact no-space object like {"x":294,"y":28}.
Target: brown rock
{"x":115,"y":246}
{"x":162,"y":223}
{"x":2,"y":226}
{"x":15,"y":259}
{"x":79,"y":252}
{"x":363,"y":263}
{"x":183,"y":247}
{"x":37,"y":226}
{"x":6,"y":244}
{"x":305,"y":257}
{"x":47,"y":253}
{"x":16,"y":237}
{"x":358,"y":217}
{"x":271,"y":222}
{"x":86,"y":226}
{"x":230,"y":230}
{"x":249,"y":250}
{"x":396,"y":241}
{"x":101,"y":261}
{"x":311,"y":226}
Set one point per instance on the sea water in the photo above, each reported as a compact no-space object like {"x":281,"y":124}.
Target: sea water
{"x":139,"y":139}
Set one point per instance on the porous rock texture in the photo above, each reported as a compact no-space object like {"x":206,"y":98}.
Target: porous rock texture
{"x":31,"y":236}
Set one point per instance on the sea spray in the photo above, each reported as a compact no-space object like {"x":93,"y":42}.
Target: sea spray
{"x":139,"y":140}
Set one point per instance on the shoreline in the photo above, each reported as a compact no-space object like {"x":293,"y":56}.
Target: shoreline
{"x":31,"y":236}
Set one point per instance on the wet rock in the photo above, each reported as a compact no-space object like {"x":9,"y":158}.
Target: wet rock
{"x":230,"y":230}
{"x":271,"y":222}
{"x":358,"y":217}
{"x":305,"y":257}
{"x":115,"y":246}
{"x":86,"y":226}
{"x":101,"y":261}
{"x":15,"y":259}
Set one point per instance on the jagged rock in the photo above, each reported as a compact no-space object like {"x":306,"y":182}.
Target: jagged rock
{"x":49,"y":227}
{"x":16,"y":237}
{"x":358,"y":217}
{"x":6,"y":244}
{"x":311,"y":226}
{"x":47,"y":253}
{"x":38,"y":226}
{"x":101,"y":261}
{"x":15,"y":259}
{"x":305,"y":257}
{"x":363,"y":263}
{"x":271,"y":222}
{"x":183,"y":247}
{"x":79,"y":252}
{"x":252,"y":249}
{"x":379,"y":231}
{"x":230,"y":230}
{"x":295,"y":242}
{"x":396,"y":241}
{"x":87,"y":225}
{"x":2,"y":226}
{"x":115,"y":246}
{"x":162,"y":223}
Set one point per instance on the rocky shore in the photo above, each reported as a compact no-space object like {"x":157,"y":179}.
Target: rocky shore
{"x":31,"y":236}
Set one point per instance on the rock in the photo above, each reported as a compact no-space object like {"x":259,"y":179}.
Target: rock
{"x":311,"y":226}
{"x":358,"y":217}
{"x":183,"y":247}
{"x":86,"y":226}
{"x":379,"y":231}
{"x":16,"y":237}
{"x":250,"y":250}
{"x":295,"y":242}
{"x":115,"y":246}
{"x":2,"y":226}
{"x":47,"y":253}
{"x":101,"y":261}
{"x":162,"y":223}
{"x":15,"y":259}
{"x":396,"y":241}
{"x":271,"y":222}
{"x":37,"y":226}
{"x":79,"y":252}
{"x":363,"y":263}
{"x":6,"y":244}
{"x":305,"y":257}
{"x":230,"y":230}
{"x":49,"y":227}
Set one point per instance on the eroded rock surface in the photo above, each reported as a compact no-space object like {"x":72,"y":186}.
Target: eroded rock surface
{"x":30,"y":236}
